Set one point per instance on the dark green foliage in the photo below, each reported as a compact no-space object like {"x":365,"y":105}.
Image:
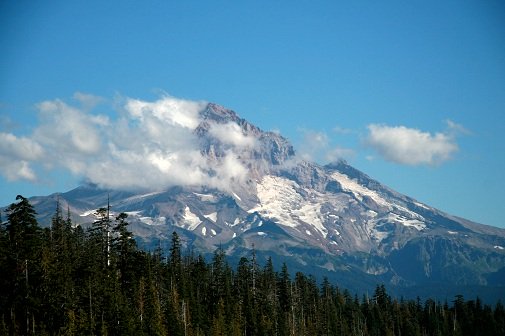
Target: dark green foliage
{"x":22,"y":255}
{"x":67,"y":281}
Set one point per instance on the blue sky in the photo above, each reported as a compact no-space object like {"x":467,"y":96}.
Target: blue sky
{"x":410,"y":92}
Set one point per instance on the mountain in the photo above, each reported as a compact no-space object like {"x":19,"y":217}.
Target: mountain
{"x":331,"y":220}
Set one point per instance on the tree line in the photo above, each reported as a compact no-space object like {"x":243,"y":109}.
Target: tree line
{"x":64,"y":280}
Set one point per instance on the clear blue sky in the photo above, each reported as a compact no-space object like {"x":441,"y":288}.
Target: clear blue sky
{"x":410,"y":92}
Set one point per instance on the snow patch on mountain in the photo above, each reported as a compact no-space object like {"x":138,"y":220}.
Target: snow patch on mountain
{"x":310,"y":213}
{"x":212,"y":217}
{"x":205,"y":197}
{"x":159,"y":220}
{"x":277,"y":199}
{"x":422,"y":205}
{"x":404,"y":212}
{"x":358,"y":190}
{"x":133,"y":213}
{"x":191,"y":221}
{"x":281,"y":200}
{"x":376,"y":230}
{"x":88,"y":213}
{"x":135,"y":198}
{"x":415,"y":223}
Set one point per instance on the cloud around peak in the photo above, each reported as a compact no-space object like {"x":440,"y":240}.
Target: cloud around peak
{"x":153,"y":145}
{"x":231,"y":134}
{"x":140,"y":145}
{"x":316,"y":146}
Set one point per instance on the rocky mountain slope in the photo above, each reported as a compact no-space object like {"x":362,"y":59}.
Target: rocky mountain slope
{"x":331,"y":220}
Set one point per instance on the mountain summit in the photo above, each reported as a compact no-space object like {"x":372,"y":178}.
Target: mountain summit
{"x":331,"y":220}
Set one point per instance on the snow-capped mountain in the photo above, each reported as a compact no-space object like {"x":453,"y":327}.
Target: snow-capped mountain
{"x":328,"y":220}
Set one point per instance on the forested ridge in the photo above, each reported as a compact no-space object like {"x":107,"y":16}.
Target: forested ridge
{"x":64,"y":280}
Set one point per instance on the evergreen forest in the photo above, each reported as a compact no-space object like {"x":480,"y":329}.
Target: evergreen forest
{"x":66,"y":280}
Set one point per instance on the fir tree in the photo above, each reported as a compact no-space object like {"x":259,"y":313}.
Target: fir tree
{"x":23,"y":253}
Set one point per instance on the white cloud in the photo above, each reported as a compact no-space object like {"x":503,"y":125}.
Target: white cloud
{"x":231,"y":169}
{"x":313,"y":145}
{"x":16,"y":153}
{"x":146,"y":145}
{"x":16,"y":170}
{"x":337,"y":153}
{"x":167,"y":111}
{"x":456,"y":129}
{"x":231,"y":134}
{"x":66,"y":129}
{"x":20,"y":148}
{"x":316,"y":147}
{"x":410,"y":146}
{"x":88,"y":101}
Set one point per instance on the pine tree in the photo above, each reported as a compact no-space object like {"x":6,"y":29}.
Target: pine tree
{"x":499,"y":318}
{"x":199,"y":294}
{"x":329,"y":325}
{"x":58,"y":267}
{"x":5,"y":281}
{"x":124,"y":248}
{"x":244,"y":294}
{"x":101,"y":233}
{"x":267,"y":294}
{"x":154,"y":321}
{"x":175,"y":263}
{"x":23,"y":254}
{"x":285,"y":326}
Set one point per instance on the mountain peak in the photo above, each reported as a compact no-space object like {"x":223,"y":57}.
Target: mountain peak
{"x":221,"y":129}
{"x":219,"y":114}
